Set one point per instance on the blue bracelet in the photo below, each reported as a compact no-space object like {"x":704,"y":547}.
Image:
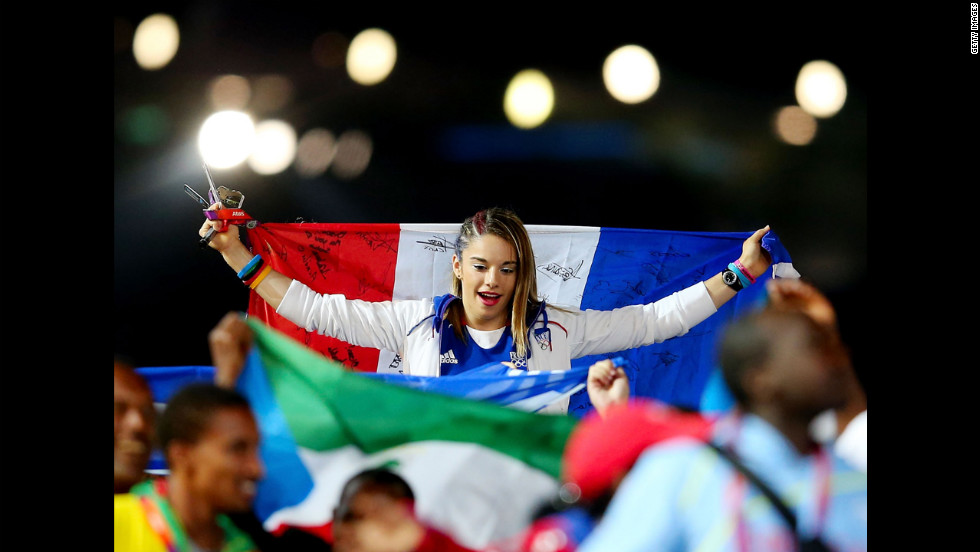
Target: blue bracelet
{"x":741,"y":277}
{"x":243,"y":273}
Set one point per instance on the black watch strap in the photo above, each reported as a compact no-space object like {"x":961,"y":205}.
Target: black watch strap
{"x":731,"y":280}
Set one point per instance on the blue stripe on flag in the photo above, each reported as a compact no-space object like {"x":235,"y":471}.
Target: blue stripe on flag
{"x":293,"y":481}
{"x":633,"y":267}
{"x":164,"y":381}
{"x":497,"y":383}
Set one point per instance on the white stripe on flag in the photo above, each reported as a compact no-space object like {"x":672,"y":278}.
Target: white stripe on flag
{"x":425,"y":254}
{"x":784,"y":270}
{"x":422,"y":269}
{"x":563,"y":258}
{"x":452,"y":490}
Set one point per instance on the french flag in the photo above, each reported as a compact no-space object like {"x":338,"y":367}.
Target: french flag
{"x":581,"y":267}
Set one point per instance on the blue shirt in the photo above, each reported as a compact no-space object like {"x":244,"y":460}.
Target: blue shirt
{"x":456,"y":357}
{"x":682,"y":495}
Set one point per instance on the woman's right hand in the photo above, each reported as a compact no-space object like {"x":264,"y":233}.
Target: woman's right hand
{"x":236,"y":255}
{"x":220,"y":240}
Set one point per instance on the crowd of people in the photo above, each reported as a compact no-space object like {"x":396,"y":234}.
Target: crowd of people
{"x":640,"y":474}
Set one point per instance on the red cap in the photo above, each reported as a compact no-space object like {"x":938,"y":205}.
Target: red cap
{"x":600,"y":450}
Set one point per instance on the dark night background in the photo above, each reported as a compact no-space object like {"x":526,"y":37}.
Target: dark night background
{"x":699,"y":155}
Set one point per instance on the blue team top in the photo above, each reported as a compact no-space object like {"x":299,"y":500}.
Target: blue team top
{"x":682,"y":495}
{"x":457,"y":356}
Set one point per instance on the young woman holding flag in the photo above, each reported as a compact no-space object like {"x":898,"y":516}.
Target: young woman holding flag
{"x":493,"y":313}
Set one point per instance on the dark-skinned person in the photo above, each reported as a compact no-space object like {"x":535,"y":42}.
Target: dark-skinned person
{"x":229,"y":342}
{"x":376,"y":513}
{"x":758,"y":481}
{"x":844,"y":427}
{"x":210,"y":441}
{"x":133,"y":426}
{"x":601,"y":449}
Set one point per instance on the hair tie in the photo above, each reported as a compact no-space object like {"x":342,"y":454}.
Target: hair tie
{"x":480,"y":221}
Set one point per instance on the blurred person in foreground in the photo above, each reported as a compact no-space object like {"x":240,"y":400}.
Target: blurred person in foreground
{"x":376,"y":513}
{"x":229,"y":343}
{"x":845,"y":426}
{"x":133,"y":426}
{"x":784,"y":365}
{"x":210,"y":441}
{"x":376,"y":509}
{"x":600,"y":451}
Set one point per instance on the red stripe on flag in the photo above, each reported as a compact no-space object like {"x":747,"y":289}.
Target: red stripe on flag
{"x":356,"y":260}
{"x":325,"y":531}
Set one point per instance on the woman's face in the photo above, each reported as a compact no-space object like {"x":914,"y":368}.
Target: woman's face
{"x":488,"y":272}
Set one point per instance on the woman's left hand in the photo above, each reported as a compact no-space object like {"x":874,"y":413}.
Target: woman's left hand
{"x":754,"y":258}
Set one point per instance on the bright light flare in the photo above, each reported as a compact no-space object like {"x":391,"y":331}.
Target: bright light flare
{"x":314,"y":152}
{"x":155,"y":41}
{"x":226,"y":138}
{"x":529,"y":99}
{"x":821,"y":89}
{"x":794,"y":126}
{"x":371,"y":56}
{"x":354,"y":149}
{"x":230,"y":92}
{"x":274,"y":148}
{"x":631,"y":74}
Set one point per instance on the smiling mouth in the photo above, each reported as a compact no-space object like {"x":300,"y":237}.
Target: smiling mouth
{"x":489,"y":299}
